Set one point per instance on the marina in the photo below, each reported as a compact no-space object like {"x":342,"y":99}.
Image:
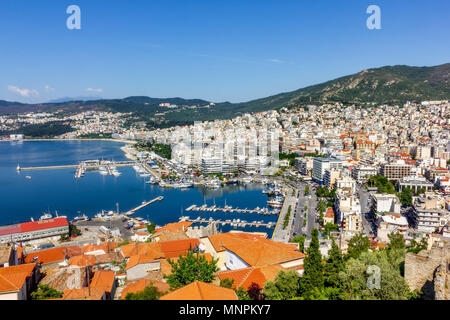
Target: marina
{"x":233,"y":223}
{"x":230,"y":209}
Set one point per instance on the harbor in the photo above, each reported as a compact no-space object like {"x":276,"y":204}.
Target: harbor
{"x":230,"y":209}
{"x":233,"y":223}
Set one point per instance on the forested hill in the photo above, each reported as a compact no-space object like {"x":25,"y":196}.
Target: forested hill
{"x":386,"y":85}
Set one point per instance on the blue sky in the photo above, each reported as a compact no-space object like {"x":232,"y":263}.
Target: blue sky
{"x":234,"y":50}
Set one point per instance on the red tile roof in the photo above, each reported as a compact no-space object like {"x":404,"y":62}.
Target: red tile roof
{"x":44,"y":224}
{"x":198,"y":290}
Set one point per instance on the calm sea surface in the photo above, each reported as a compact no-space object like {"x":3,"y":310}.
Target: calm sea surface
{"x":58,"y":190}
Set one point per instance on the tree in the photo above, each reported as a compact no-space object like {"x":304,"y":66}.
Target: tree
{"x":330,"y":227}
{"x":334,"y":264}
{"x":306,"y":190}
{"x":301,"y":242}
{"x":150,"y":293}
{"x":354,"y":279}
{"x":405,"y":196}
{"x":313,"y":268}
{"x":242,"y":294}
{"x":151,"y":227}
{"x":286,"y":286}
{"x":227,"y":283}
{"x":357,"y":245}
{"x":73,"y":230}
{"x":44,"y":291}
{"x":189,"y":269}
{"x":255,"y":292}
{"x":396,"y":241}
{"x":416,"y":247}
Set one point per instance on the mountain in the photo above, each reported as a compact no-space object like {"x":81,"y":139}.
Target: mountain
{"x":386,"y":85}
{"x":68,"y":99}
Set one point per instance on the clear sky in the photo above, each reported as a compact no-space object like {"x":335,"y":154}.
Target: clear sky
{"x":233,"y":50}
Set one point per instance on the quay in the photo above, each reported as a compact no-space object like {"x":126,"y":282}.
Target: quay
{"x":257,"y":210}
{"x":90,"y":164}
{"x":143,"y":205}
{"x":233,"y":223}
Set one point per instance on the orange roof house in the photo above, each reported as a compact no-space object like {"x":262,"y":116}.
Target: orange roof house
{"x":141,"y":284}
{"x":105,"y":280}
{"x":84,"y":293}
{"x":13,"y":281}
{"x":198,"y":290}
{"x":175,"y":227}
{"x":147,"y":257}
{"x":245,"y":277}
{"x":263,"y":252}
{"x":53,"y":255}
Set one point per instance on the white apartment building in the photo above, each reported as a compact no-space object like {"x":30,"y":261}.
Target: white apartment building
{"x":322,"y":164}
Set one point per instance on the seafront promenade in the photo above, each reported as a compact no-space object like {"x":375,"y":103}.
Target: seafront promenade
{"x":281,"y":234}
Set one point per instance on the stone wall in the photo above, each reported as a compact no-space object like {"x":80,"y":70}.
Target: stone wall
{"x":421,"y":269}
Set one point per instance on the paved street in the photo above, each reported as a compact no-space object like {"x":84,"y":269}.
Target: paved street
{"x":364,"y":197}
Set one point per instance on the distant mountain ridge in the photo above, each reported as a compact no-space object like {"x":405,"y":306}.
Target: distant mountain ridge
{"x":385,"y":85}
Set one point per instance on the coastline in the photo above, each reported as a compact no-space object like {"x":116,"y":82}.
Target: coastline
{"x":75,"y":139}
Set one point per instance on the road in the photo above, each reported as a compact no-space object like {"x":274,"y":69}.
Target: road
{"x":364,"y":197}
{"x":305,"y":201}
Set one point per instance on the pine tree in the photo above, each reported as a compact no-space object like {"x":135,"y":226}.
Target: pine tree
{"x":334,"y":265}
{"x":313,"y":269}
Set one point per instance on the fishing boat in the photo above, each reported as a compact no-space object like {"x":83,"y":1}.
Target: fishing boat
{"x":277,"y":202}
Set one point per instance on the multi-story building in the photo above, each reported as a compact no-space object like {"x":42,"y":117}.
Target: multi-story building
{"x":330,"y":176}
{"x":322,"y":164}
{"x":395,"y":171}
{"x":363,"y":173}
{"x":430,"y":213}
{"x":382,"y":204}
{"x":415,"y":184}
{"x":348,"y":212}
{"x":34,"y":230}
{"x":304,"y":165}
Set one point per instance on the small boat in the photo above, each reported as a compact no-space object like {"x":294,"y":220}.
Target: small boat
{"x":46,"y":216}
{"x":28,"y":177}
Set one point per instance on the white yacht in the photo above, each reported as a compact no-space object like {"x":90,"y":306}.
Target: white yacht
{"x":46,"y":216}
{"x":102,"y":170}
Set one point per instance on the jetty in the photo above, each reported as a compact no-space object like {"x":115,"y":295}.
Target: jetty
{"x":143,"y":205}
{"x":233,"y":223}
{"x":229,"y":209}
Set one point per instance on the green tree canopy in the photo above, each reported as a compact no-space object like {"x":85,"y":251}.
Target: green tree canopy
{"x":190,"y":268}
{"x":357,"y":245}
{"x":150,"y":293}
{"x":44,"y":291}
{"x":354,"y":279}
{"x":285,"y":287}
{"x":313,"y":268}
{"x":334,"y":264}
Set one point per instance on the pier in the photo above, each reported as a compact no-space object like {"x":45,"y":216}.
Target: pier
{"x":233,"y":223}
{"x":143,"y":205}
{"x":258,"y":210}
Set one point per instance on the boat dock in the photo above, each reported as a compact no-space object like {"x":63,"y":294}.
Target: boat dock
{"x":90,"y":164}
{"x":143,"y":205}
{"x":233,"y":223}
{"x":258,"y":210}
